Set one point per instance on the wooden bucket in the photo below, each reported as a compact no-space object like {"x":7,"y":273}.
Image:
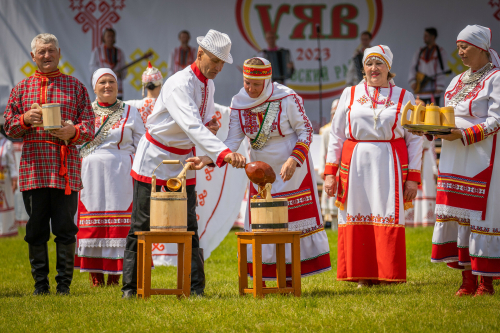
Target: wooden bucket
{"x":168,"y":209}
{"x":269,"y":214}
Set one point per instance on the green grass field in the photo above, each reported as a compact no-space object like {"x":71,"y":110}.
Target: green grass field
{"x":424,"y":303}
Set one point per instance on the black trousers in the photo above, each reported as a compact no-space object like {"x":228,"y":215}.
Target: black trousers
{"x":46,"y":206}
{"x":140,"y":221}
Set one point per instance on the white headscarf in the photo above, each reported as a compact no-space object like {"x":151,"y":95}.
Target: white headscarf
{"x":271,"y":92}
{"x":479,"y":37}
{"x":100,"y":72}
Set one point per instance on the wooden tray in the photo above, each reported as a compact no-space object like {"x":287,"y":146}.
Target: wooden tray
{"x":430,"y":129}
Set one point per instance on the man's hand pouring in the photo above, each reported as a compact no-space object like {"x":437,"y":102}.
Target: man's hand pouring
{"x":235,"y":159}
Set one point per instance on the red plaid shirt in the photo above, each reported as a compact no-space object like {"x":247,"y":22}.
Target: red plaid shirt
{"x":41,"y":161}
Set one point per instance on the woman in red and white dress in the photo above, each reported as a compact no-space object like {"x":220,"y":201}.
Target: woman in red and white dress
{"x":467,"y":231}
{"x":152,"y":80}
{"x":105,"y":203}
{"x":379,"y":165}
{"x":8,"y":185}
{"x":272,"y":116}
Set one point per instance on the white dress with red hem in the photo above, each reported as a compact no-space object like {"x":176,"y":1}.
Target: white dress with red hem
{"x":374,"y":164}
{"x":291,"y":136}
{"x":8,"y":170}
{"x":467,"y":230}
{"x":105,"y":203}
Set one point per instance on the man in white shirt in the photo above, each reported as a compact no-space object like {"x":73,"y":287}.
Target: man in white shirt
{"x":183,"y":55}
{"x":182,"y":118}
{"x":428,"y":68}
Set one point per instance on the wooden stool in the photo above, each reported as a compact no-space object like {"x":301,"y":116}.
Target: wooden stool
{"x":257,"y":239}
{"x":144,"y":241}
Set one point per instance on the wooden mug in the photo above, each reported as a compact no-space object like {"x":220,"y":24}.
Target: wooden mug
{"x":432,"y":116}
{"x":447,"y":116}
{"x":416,"y":117}
{"x":51,"y":115}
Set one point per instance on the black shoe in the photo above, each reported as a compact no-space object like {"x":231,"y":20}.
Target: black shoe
{"x":328,"y":225}
{"x":129,"y":294}
{"x":65,"y":267}
{"x":39,"y":261}
{"x":41,"y":291}
{"x":197,"y":272}
{"x":62,"y":291}
{"x":129,"y":277}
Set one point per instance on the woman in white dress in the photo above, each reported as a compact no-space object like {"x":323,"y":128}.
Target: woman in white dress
{"x":272,"y":116}
{"x":8,"y":185}
{"x":379,"y":165}
{"x":467,"y":231}
{"x":105,"y":203}
{"x":152,"y":80}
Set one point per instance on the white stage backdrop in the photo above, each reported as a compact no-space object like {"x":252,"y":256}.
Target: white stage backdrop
{"x":154,"y":25}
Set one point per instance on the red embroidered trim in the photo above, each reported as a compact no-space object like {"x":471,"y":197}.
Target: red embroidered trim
{"x":198,"y":73}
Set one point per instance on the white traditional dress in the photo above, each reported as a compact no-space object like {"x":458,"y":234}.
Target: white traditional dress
{"x":105,"y":203}
{"x":422,"y":214}
{"x":173,"y":129}
{"x":279,"y":129}
{"x":467,"y":231}
{"x":374,"y":164}
{"x":8,"y":170}
{"x":145,"y":106}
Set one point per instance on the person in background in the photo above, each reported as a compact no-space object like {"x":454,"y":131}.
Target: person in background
{"x":105,"y":203}
{"x":8,"y":185}
{"x":427,"y":71}
{"x":355,"y":71}
{"x":152,"y":80}
{"x":328,"y":208}
{"x":49,"y":173}
{"x":107,"y":55}
{"x":280,"y":59}
{"x":183,"y":55}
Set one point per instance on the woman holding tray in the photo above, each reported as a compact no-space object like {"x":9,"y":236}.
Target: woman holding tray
{"x":379,"y":165}
{"x":467,"y":231}
{"x":105,"y":203}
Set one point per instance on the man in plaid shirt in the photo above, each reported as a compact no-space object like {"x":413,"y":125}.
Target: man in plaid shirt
{"x":49,"y":173}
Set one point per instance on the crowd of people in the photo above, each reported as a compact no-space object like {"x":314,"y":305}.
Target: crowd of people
{"x":96,"y":169}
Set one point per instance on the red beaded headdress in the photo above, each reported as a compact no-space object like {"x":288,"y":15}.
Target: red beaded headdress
{"x":257,"y":72}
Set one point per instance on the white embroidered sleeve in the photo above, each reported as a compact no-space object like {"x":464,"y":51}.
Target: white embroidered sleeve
{"x":337,"y":134}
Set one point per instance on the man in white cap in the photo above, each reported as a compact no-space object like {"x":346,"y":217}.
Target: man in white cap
{"x":182,"y":118}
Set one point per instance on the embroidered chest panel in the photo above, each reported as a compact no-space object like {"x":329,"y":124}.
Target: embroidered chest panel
{"x":253,"y":118}
{"x":100,"y":120}
{"x":204,"y":101}
{"x":365,"y":99}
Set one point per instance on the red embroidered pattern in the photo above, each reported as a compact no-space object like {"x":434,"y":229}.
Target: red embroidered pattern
{"x":370,"y":218}
{"x":203,"y":106}
{"x":147,"y":109}
{"x":251,"y":125}
{"x":307,"y":123}
{"x":363,"y":100}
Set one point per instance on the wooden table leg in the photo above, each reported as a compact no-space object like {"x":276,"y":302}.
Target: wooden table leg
{"x":187,"y":265}
{"x":296,"y":265}
{"x":147,"y":268}
{"x":242,"y":267}
{"x":140,"y":268}
{"x":180,"y":267}
{"x":257,"y":266}
{"x":280,"y":265}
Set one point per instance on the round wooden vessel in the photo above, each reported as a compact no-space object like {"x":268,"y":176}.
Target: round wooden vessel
{"x":51,"y":116}
{"x":269,"y":214}
{"x":168,"y":209}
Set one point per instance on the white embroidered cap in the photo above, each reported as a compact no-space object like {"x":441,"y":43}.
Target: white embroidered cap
{"x":151,"y":74}
{"x":217,"y":43}
{"x":380,"y":51}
